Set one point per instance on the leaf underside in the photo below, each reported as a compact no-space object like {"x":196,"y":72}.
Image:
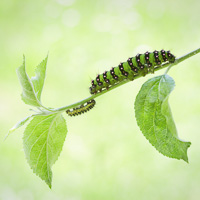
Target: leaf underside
{"x":155,"y":119}
{"x":39,"y":78}
{"x":43,"y":141}
{"x":16,"y":126}
{"x":28,"y":93}
{"x":32,"y":88}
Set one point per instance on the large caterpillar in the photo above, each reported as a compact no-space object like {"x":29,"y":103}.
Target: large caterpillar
{"x":140,"y":65}
{"x":81,"y":109}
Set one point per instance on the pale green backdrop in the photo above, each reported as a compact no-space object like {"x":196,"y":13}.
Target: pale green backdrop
{"x":105,"y":156}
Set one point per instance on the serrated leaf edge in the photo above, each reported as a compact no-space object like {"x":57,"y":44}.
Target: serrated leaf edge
{"x":188,"y":143}
{"x":49,"y":182}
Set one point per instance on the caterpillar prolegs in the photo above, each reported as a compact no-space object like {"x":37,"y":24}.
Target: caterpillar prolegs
{"x":81,"y":109}
{"x":140,"y":65}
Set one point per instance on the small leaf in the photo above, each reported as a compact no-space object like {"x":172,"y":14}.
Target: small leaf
{"x":155,"y":120}
{"x":28,"y":93}
{"x":19,"y":124}
{"x":43,"y":141}
{"x":38,"y":79}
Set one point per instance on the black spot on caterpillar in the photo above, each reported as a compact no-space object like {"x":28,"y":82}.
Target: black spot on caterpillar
{"x":141,"y":64}
{"x":82,"y":108}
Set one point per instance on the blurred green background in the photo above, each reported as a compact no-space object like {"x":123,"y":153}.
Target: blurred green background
{"x":105,"y":156}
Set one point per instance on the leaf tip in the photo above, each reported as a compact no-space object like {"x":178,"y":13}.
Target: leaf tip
{"x":24,"y":60}
{"x":21,"y":66}
{"x":185,"y":156}
{"x":47,"y":55}
{"x":8,"y":133}
{"x":49,"y":184}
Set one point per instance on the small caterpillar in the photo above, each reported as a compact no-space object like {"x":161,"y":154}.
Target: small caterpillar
{"x":141,"y":64}
{"x":81,"y":109}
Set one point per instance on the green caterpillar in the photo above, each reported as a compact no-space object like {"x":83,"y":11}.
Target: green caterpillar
{"x":141,"y":64}
{"x":81,"y":109}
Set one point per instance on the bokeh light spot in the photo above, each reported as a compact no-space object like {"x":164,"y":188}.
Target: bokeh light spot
{"x":71,"y":18}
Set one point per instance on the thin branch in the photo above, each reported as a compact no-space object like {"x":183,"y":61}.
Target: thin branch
{"x":169,"y":65}
{"x":181,"y":59}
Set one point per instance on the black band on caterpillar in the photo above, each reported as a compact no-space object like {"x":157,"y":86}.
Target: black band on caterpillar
{"x":133,"y":68}
{"x":121,"y":68}
{"x":82,"y":108}
{"x":156,"y":57}
{"x":141,"y":64}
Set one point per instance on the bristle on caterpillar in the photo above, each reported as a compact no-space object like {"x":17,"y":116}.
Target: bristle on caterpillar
{"x":82,"y":108}
{"x":140,"y":65}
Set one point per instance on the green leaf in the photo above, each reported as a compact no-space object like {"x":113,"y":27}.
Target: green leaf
{"x":38,"y":79}
{"x":155,"y":120}
{"x":19,"y":124}
{"x":28,"y":93}
{"x":43,"y":141}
